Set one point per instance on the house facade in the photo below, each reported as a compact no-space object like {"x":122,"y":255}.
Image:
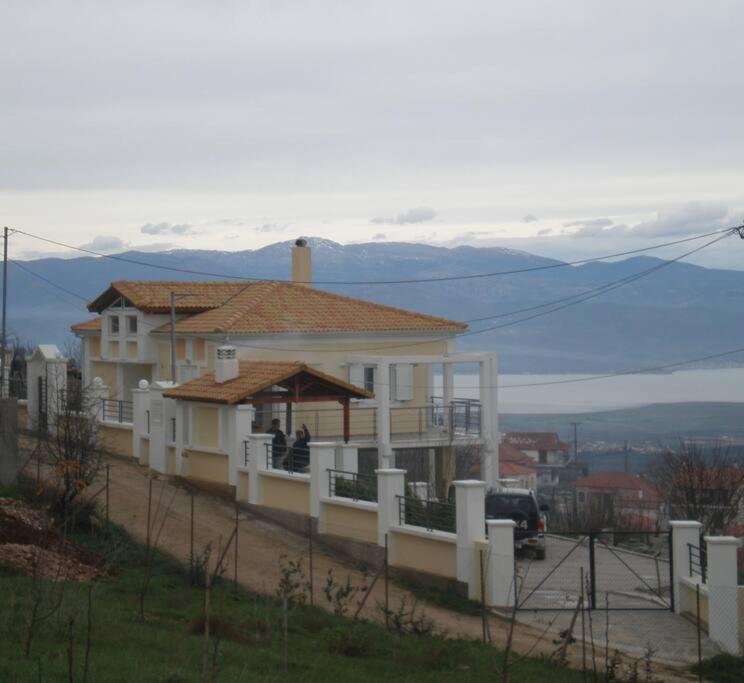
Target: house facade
{"x":549,"y":455}
{"x":392,"y":354}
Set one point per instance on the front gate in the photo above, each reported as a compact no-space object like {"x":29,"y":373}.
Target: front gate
{"x":615,"y":570}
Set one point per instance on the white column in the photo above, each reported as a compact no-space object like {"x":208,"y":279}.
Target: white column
{"x":140,"y":406}
{"x":382,"y":396}
{"x":98,"y":392}
{"x":391,"y":484}
{"x":158,"y":426}
{"x":448,"y":388}
{"x":723,"y":598}
{"x":684,"y":534}
{"x":470,"y":502}
{"x":347,"y":458}
{"x":322,"y":459}
{"x":489,"y":421}
{"x":499,"y":565}
{"x":256,"y":464}
{"x":243,"y":417}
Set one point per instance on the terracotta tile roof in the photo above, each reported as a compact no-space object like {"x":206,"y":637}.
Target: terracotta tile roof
{"x":268,"y":307}
{"x":256,"y":376}
{"x":511,"y":469}
{"x":508,"y":453}
{"x":536,"y":441}
{"x":153,"y":296}
{"x":93,"y":325}
{"x":619,"y":481}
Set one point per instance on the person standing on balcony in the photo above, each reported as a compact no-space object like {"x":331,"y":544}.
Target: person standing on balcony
{"x":301,"y":449}
{"x":278,"y":444}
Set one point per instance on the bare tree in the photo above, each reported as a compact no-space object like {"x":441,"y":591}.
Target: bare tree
{"x":706,"y":485}
{"x":73,"y":448}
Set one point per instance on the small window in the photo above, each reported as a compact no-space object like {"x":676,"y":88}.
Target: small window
{"x":369,"y":379}
{"x":132,"y":324}
{"x":114,"y":324}
{"x":543,"y":455}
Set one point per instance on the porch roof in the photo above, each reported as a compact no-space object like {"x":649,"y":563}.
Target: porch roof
{"x":255,"y":380}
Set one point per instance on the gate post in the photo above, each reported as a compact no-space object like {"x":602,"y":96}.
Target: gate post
{"x":592,"y":572}
{"x":684,"y":534}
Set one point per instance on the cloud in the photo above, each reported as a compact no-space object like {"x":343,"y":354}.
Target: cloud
{"x":272,"y":227}
{"x":379,"y":236}
{"x":105,"y":244}
{"x":166,"y":229}
{"x":591,"y":223}
{"x":529,"y":218}
{"x":686,"y":219}
{"x":418,"y":214}
{"x":546,"y":231}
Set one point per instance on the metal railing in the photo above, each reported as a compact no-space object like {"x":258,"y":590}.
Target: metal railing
{"x":698,"y":559}
{"x":428,"y":514}
{"x":147,"y":415}
{"x":246,"y":452}
{"x":117,"y":411}
{"x":462,"y":416}
{"x":17,"y":388}
{"x":173,"y":429}
{"x":287,"y":458}
{"x":352,"y":485}
{"x":70,"y":400}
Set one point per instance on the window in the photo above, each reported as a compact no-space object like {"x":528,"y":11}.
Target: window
{"x":132,"y":324}
{"x":114,"y":324}
{"x":369,"y":379}
{"x":543,"y":455}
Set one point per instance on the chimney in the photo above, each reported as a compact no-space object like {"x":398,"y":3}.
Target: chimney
{"x":226,"y":367}
{"x":302,"y":263}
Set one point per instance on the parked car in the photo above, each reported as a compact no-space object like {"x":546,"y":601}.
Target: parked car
{"x":521,"y":506}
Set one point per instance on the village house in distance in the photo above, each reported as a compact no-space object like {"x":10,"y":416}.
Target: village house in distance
{"x":248,"y":353}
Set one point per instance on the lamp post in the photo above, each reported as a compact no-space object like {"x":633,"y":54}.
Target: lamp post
{"x":173,"y":298}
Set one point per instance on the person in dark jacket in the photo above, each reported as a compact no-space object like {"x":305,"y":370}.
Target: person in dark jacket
{"x":278,"y":444}
{"x":301,"y":449}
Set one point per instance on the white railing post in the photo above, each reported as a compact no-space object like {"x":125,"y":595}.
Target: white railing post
{"x":347,"y":458}
{"x":723,"y":596}
{"x":140,"y":406}
{"x":684,"y":534}
{"x":322,"y":459}
{"x":391,"y":484}
{"x":240,"y":428}
{"x":256,"y":464}
{"x":499,"y":565}
{"x":470,"y":509}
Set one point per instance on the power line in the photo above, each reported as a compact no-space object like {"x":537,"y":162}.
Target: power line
{"x":450,"y":278}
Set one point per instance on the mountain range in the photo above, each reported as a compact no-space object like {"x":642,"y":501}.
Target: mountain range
{"x":675,"y":312}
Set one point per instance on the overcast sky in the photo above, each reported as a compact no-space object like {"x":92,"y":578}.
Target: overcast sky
{"x":565,"y":128}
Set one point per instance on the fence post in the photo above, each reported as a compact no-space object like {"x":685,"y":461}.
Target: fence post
{"x":140,"y":406}
{"x":723,"y":603}
{"x":684,"y":533}
{"x":592,"y":572}
{"x":257,"y":464}
{"x":240,"y":427}
{"x":470,"y":509}
{"x":501,"y":576}
{"x":108,"y":483}
{"x":347,"y":458}
{"x":390,"y":485}
{"x":322,"y":459}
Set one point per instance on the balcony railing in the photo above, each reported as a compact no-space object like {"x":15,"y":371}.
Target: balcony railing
{"x":117,"y":411}
{"x":698,"y":559}
{"x":352,"y":485}
{"x":287,"y":458}
{"x":428,"y":514}
{"x":463,"y":416}
{"x":246,"y":452}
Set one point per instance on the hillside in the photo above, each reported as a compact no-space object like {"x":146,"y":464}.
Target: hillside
{"x":678,"y":312}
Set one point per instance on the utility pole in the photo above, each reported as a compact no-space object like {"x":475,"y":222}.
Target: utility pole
{"x":3,"y":389}
{"x":576,"y":440}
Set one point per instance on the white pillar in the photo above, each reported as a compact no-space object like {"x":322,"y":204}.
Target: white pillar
{"x":499,"y":565}
{"x":158,"y":426}
{"x":242,"y":424}
{"x":257,"y":463}
{"x":382,"y":397}
{"x":684,"y":534}
{"x":347,"y":458}
{"x":448,"y":388}
{"x":723,"y":597}
{"x":140,"y":406}
{"x":98,"y":392}
{"x":181,"y":408}
{"x":322,"y":459}
{"x":470,"y":501}
{"x":391,"y":484}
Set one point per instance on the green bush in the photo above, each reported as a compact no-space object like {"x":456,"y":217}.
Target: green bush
{"x":722,"y":669}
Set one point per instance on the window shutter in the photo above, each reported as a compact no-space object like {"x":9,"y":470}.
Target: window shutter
{"x":404,"y":382}
{"x":356,"y":375}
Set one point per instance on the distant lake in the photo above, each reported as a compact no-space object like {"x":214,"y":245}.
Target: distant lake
{"x":612,"y":393}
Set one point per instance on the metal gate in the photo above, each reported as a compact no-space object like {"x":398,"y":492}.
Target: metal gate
{"x":615,"y":570}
